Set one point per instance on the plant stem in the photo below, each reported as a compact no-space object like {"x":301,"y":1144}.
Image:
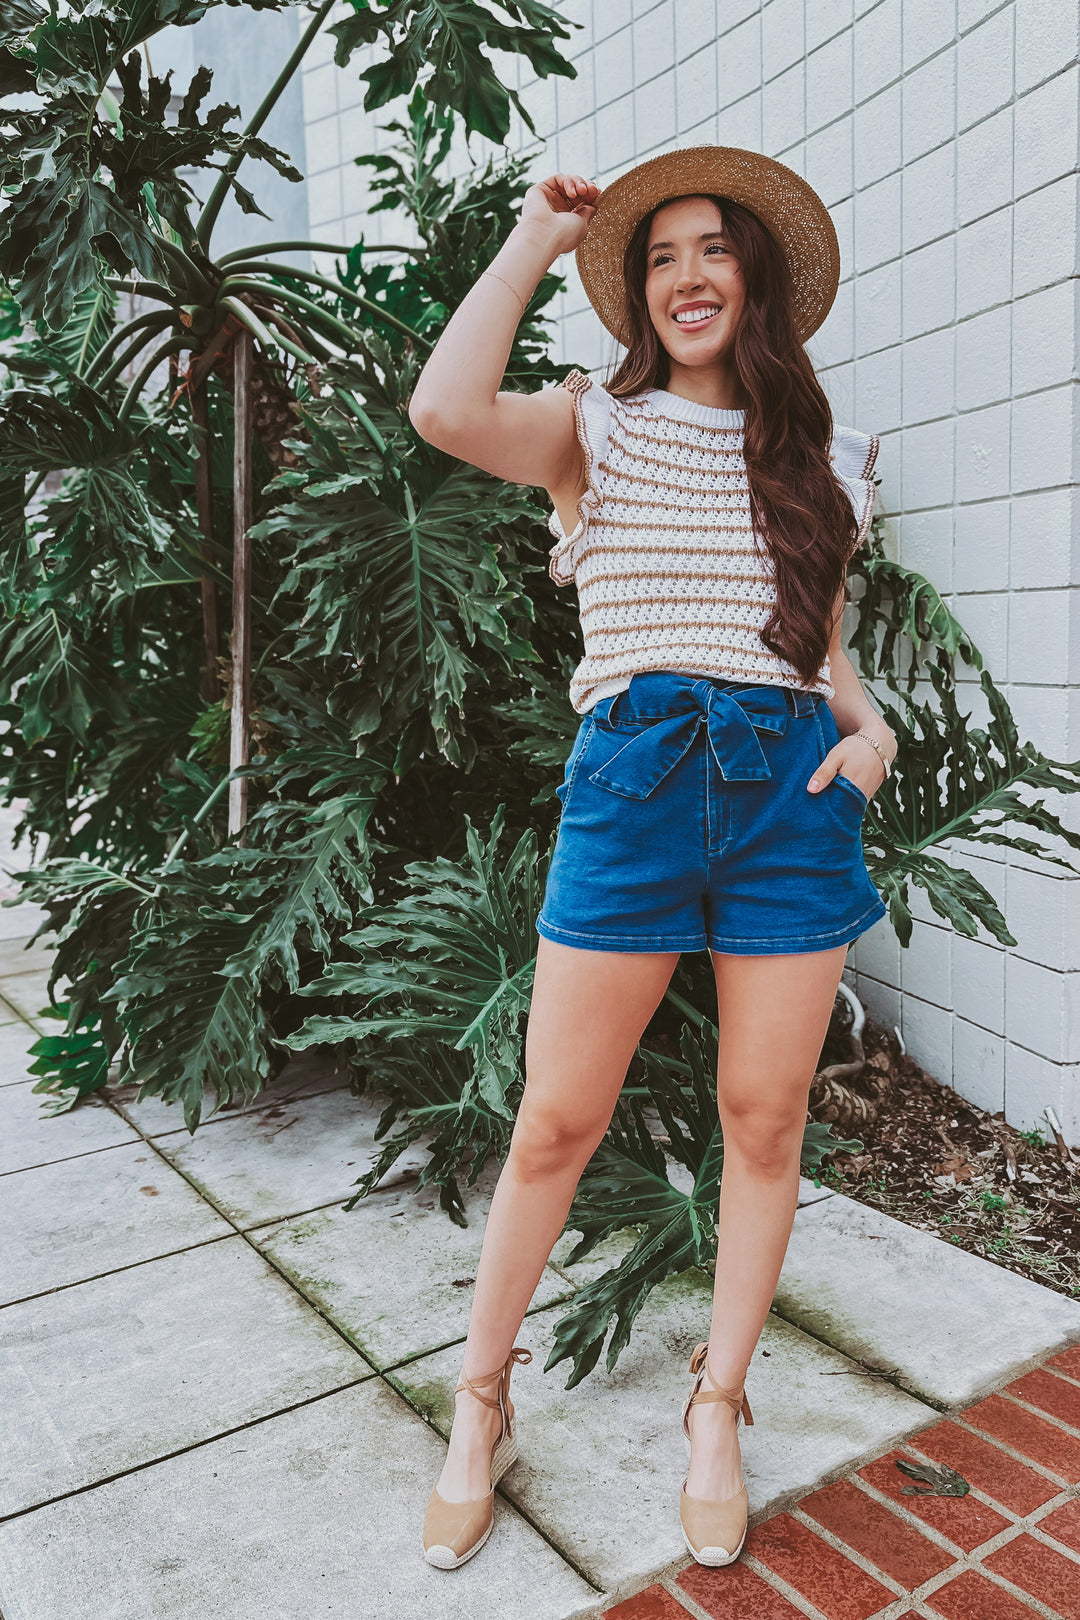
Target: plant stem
{"x":361,"y":416}
{"x":191,"y":280}
{"x":171,"y":347}
{"x":676,"y":1000}
{"x":315,"y":247}
{"x":339,"y":292}
{"x":189,"y":829}
{"x":147,"y":325}
{"x":208,"y":218}
{"x":321,"y":353}
{"x":342,"y":334}
{"x":254,"y":325}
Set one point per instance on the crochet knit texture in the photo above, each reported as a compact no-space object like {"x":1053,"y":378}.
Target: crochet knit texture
{"x":668,"y":571}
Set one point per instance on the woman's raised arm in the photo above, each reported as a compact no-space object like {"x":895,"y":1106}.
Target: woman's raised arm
{"x":456,"y":404}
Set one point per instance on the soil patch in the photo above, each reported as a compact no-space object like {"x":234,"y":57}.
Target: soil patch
{"x":936,"y":1161}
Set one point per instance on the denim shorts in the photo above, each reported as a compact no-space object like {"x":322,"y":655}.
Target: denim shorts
{"x":687,"y":825}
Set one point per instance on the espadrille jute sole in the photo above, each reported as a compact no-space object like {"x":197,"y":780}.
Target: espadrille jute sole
{"x":442,"y":1557}
{"x":712,"y":1557}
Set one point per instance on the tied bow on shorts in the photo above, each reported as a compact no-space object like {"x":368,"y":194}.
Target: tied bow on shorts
{"x":672,"y":708}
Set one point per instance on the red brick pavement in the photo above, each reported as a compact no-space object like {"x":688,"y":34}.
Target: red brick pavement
{"x":859,"y":1549}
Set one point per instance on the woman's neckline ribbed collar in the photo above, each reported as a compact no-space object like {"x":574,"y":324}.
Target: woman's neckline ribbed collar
{"x":662,"y":403}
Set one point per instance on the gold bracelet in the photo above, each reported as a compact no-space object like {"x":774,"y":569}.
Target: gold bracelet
{"x":505,"y":283}
{"x":866,"y":738}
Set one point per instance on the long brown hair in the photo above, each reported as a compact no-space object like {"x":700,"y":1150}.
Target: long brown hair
{"x":797,"y":505}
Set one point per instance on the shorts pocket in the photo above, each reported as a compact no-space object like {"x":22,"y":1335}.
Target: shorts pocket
{"x":841,"y":792}
{"x":573,"y":759}
{"x":840,"y":780}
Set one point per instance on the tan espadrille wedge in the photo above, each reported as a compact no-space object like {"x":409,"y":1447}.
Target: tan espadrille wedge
{"x":713,"y":1531}
{"x":454,"y":1531}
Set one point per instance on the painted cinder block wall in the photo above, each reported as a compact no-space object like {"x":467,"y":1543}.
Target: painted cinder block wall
{"x":942,"y":135}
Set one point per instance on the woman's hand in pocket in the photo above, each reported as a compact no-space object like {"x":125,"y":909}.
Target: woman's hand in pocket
{"x":853,"y":758}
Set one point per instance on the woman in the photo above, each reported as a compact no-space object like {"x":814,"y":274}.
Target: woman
{"x":706,"y":509}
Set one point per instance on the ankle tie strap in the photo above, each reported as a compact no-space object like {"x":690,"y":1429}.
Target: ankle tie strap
{"x":518,"y":1355}
{"x":735,"y":1397}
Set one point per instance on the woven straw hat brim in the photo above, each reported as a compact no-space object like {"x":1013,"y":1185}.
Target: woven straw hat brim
{"x":784,"y":202}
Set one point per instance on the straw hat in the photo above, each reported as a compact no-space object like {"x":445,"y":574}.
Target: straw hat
{"x":782,"y":200}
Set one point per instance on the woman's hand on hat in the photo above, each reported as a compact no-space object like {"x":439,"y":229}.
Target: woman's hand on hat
{"x":562,"y":205}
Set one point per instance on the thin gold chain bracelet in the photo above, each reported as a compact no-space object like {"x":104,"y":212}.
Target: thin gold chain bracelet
{"x":505,"y":283}
{"x":877,"y":749}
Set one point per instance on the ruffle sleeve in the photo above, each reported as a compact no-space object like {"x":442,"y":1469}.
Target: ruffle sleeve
{"x":853,"y":455}
{"x":592,"y":414}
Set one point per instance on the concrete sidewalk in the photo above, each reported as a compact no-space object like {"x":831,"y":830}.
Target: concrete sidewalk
{"x":224,"y":1397}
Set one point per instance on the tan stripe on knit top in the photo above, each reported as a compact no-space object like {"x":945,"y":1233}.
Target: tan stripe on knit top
{"x":666,"y":509}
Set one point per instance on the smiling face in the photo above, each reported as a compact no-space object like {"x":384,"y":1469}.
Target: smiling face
{"x":693,"y":284}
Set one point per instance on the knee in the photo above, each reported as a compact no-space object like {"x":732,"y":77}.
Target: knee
{"x":767,"y":1144}
{"x":546,"y":1144}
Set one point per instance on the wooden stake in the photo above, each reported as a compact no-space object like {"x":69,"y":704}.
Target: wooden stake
{"x":204,"y":507}
{"x":241,"y":629}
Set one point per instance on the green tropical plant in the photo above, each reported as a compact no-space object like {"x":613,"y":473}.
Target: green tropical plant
{"x":958,"y":780}
{"x":452,"y":960}
{"x":95,"y":178}
{"x":131,"y":502}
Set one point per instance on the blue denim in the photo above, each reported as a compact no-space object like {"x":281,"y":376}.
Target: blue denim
{"x":686,"y":824}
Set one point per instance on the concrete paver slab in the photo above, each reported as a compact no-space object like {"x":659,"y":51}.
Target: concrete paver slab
{"x":395,"y":1273}
{"x":29,"y":1137}
{"x":266,"y":1164}
{"x":66,"y":1222}
{"x":948,"y":1325}
{"x":810,"y":1194}
{"x":111,"y":1374}
{"x":19,"y":956}
{"x":16,"y":1039}
{"x":18,"y":922}
{"x":28,"y":994}
{"x":314,"y":1512}
{"x":601,"y":1464}
{"x":303,"y":1076}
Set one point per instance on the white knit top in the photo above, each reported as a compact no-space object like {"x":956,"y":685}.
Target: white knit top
{"x":663,"y":554}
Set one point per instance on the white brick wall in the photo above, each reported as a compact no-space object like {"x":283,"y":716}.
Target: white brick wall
{"x":943,"y":136}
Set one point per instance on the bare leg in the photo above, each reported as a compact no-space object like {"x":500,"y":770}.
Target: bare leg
{"x":773,"y":1016}
{"x":586,"y":1016}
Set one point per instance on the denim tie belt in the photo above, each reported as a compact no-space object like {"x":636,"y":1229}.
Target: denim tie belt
{"x":673,"y":708}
